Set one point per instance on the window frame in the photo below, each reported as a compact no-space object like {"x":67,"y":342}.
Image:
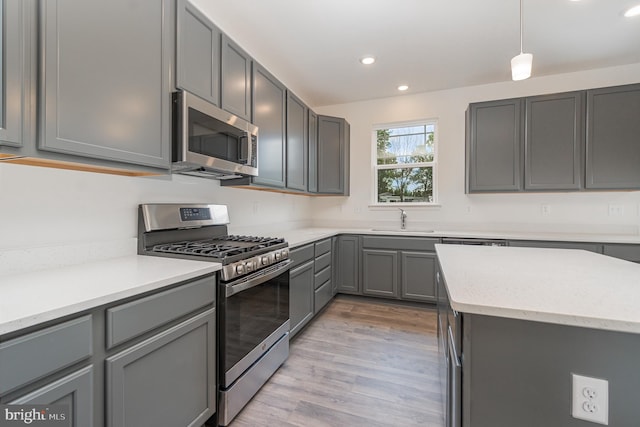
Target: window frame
{"x":375,"y":167}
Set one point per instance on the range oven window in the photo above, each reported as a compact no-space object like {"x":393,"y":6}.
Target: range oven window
{"x":250,"y":316}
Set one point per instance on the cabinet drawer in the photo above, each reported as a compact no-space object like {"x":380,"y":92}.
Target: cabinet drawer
{"x":322,"y":296}
{"x":322,"y":262}
{"x":323,"y":246}
{"x":132,"y":319}
{"x":301,"y":254}
{"x":628,"y":252}
{"x":400,"y":243}
{"x":33,"y":356}
{"x":322,"y":277}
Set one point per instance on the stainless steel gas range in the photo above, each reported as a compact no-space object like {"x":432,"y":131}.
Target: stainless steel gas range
{"x":253,"y":292}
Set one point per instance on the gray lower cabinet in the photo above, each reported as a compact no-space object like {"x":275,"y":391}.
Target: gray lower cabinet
{"x":74,"y":390}
{"x":17,"y":62}
{"x":613,"y":147}
{"x":592,"y":247}
{"x":301,"y":293}
{"x":323,"y":274}
{"x":332,"y":170}
{"x":236,"y":79}
{"x":380,"y":273}
{"x":105,"y":88}
{"x":297,"y":144}
{"x":417,"y":272}
{"x":347,"y":264}
{"x":177,"y":366}
{"x":494,"y":146}
{"x":197,"y":53}
{"x":622,"y":251}
{"x":554,"y":138}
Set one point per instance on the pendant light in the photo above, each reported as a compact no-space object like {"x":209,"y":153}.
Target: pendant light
{"x":521,"y":64}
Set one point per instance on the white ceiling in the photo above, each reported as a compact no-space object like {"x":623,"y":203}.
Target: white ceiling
{"x":314,"y":46}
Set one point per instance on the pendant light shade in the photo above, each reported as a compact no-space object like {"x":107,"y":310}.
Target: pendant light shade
{"x":521,"y":64}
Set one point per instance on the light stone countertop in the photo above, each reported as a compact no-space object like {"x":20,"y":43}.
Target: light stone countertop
{"x":562,"y":286}
{"x":28,"y":299}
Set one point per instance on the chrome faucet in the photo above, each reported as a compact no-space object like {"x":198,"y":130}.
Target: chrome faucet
{"x":403,"y":219}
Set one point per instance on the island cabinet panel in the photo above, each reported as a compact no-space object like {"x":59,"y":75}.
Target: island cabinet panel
{"x":510,"y":363}
{"x":105,"y":88}
{"x":74,"y":390}
{"x":626,"y":252}
{"x":301,"y":293}
{"x":613,"y":144}
{"x":380,"y":273}
{"x":297,"y":143}
{"x":553,"y":142}
{"x":198,"y":53}
{"x":348,"y":264}
{"x":418,"y":270}
{"x":177,"y":366}
{"x":592,"y":247}
{"x":236,"y":79}
{"x":494,"y":146}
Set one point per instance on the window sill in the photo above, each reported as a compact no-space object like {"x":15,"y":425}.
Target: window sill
{"x":384,"y":206}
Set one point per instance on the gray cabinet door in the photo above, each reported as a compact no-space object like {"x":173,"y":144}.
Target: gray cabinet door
{"x":417,"y":270}
{"x":105,"y":87}
{"x":198,"y":53}
{"x":176,"y":366}
{"x":313,"y":152}
{"x":623,"y":251}
{"x":494,"y":146}
{"x":269,"y":106}
{"x":553,"y":141}
{"x":348,"y":264}
{"x":332,"y":155}
{"x":301,"y":292}
{"x":74,"y":390}
{"x":297,"y":143}
{"x":16,"y":79}
{"x":236,"y":79}
{"x":380,"y":273}
{"x":592,"y":247}
{"x":613,"y":138}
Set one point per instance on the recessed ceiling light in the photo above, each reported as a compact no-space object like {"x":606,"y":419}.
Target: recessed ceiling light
{"x":403,"y":87}
{"x":634,"y":11}
{"x":368,"y":60}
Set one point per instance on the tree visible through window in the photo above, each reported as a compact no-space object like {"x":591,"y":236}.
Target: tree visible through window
{"x":405,"y":163}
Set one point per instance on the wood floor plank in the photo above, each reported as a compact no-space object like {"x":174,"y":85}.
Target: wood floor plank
{"x":361,"y":362}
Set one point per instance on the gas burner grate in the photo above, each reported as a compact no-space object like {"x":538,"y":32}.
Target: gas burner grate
{"x":220,"y":248}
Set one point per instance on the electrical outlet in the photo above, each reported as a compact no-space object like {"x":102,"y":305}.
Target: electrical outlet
{"x":545,"y":209}
{"x":590,"y":399}
{"x":616,"y":210}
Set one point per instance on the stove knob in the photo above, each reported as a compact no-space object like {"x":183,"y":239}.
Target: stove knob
{"x":249,"y":266}
{"x":239,"y":268}
{"x":278,"y":255}
{"x":264,"y":260}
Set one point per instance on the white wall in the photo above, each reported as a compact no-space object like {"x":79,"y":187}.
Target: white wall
{"x":51,"y":207}
{"x":578,"y":212}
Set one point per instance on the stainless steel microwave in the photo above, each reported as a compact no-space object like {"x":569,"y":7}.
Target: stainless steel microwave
{"x":210,"y":142}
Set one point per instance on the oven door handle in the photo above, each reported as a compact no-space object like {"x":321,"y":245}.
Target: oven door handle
{"x":232,"y":289}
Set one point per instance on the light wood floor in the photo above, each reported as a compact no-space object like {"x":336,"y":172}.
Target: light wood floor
{"x":360,"y":363}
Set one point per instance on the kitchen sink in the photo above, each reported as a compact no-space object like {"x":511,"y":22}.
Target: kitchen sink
{"x":406,"y":230}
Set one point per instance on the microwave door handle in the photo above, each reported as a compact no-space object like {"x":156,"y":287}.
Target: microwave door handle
{"x":244,"y":155}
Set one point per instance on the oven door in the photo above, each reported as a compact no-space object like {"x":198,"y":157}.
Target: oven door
{"x":254,"y":315}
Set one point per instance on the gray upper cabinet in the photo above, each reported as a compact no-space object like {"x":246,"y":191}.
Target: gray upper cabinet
{"x":313,"y":152}
{"x":297,"y":143}
{"x":553,"y":142}
{"x":236,"y":79}
{"x":17,"y":38}
{"x":613,"y":138}
{"x":105,"y":82}
{"x":198,"y":53}
{"x":269,"y":108}
{"x":494,"y":146}
{"x":333,"y":155}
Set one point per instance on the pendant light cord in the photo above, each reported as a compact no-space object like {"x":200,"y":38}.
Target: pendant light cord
{"x":520,"y":26}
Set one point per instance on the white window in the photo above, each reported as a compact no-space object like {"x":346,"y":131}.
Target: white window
{"x":405,"y":163}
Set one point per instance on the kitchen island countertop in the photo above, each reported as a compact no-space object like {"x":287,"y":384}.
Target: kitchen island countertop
{"x":561,"y":286}
{"x":28,"y":299}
